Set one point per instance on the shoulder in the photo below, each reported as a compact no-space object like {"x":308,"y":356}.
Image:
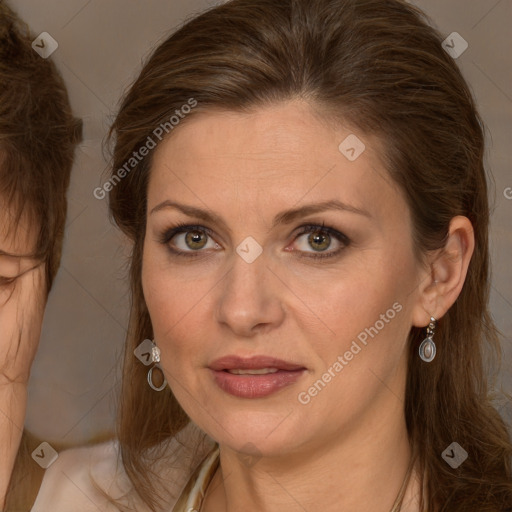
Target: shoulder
{"x":68,"y":484}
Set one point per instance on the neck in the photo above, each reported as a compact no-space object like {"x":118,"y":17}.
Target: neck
{"x":361,"y":469}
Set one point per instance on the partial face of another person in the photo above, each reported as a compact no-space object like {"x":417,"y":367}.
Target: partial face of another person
{"x":329,"y":290}
{"x":17,"y":245}
{"x":22,"y":297}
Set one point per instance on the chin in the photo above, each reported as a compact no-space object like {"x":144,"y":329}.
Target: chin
{"x":255,"y":432}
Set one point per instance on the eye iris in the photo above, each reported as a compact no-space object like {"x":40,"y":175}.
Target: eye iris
{"x":194,"y":237}
{"x":318,"y":238}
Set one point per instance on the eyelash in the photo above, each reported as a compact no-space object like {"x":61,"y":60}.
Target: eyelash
{"x":170,"y":233}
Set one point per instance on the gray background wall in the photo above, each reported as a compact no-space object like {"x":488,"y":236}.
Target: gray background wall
{"x":74,"y":383}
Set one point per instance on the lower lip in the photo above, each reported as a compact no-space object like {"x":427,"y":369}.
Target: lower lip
{"x":255,"y":386}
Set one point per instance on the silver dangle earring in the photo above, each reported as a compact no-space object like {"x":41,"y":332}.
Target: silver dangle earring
{"x":155,"y":358}
{"x":427,"y":348}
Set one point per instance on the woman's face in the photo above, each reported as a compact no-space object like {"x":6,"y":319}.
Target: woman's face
{"x":247,"y":279}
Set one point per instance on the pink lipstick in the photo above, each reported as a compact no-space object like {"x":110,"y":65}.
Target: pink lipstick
{"x":254,"y":377}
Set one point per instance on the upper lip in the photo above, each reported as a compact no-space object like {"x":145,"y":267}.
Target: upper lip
{"x":233,"y":362}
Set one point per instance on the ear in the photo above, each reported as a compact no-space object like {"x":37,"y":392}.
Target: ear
{"x":446,"y":272}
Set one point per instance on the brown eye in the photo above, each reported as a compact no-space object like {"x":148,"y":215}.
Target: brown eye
{"x":188,"y":240}
{"x":195,"y":239}
{"x":319,"y":241}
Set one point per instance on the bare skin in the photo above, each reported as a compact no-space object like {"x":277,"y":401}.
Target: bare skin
{"x":347,"y":448}
{"x":22,"y":302}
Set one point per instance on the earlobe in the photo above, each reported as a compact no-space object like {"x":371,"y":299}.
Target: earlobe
{"x":448,"y":270}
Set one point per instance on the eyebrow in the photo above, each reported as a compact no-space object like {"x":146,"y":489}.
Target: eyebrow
{"x":285,"y":217}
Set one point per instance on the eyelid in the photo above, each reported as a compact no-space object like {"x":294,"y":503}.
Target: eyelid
{"x":322,"y":228}
{"x":342,"y":239}
{"x":21,"y":272}
{"x":180,"y":228}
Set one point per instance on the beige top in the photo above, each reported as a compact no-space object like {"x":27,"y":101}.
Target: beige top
{"x":192,"y":496}
{"x":185,"y":469}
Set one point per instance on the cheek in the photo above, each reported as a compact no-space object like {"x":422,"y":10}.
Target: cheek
{"x":364,"y":356}
{"x":175,"y":304}
{"x":366,"y":312}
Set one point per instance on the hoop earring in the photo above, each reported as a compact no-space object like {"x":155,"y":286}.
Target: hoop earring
{"x":155,"y":358}
{"x":427,"y":348}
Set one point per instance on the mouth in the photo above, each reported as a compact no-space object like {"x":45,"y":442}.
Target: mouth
{"x":254,"y":377}
{"x":261,"y":371}
{"x":261,"y":364}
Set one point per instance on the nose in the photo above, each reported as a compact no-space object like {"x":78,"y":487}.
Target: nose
{"x":250,"y":298}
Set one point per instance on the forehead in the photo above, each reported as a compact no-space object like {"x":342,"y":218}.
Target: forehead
{"x":266,"y":133}
{"x":280,"y":152}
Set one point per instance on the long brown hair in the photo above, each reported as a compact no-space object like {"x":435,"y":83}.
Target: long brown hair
{"x":38,"y":137}
{"x":380,"y":67}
